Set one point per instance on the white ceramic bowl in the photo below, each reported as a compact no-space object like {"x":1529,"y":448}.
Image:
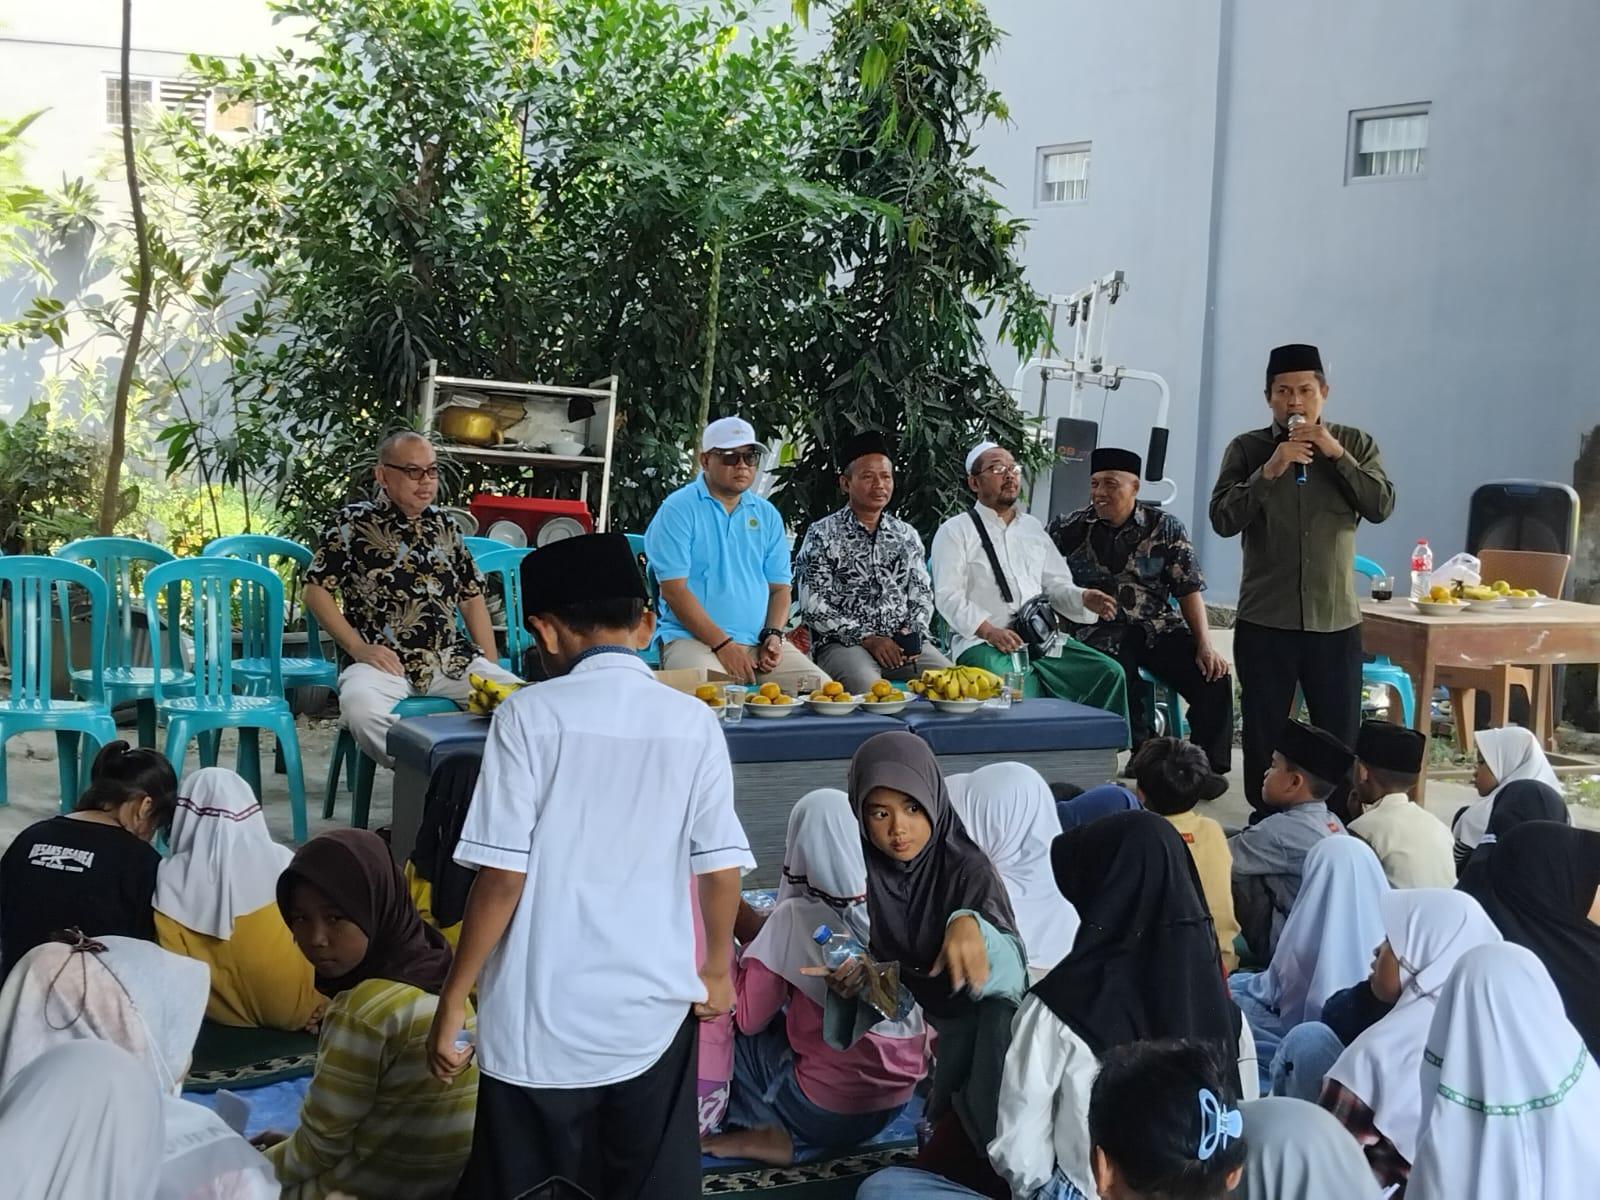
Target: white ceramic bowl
{"x":885,"y":708}
{"x":772,"y":712}
{"x":1430,"y":608}
{"x":1489,"y":605}
{"x":1527,"y":601}
{"x":833,"y":708}
{"x":958,"y":706}
{"x":567,"y":448}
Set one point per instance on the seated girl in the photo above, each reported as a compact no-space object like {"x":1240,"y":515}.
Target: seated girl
{"x":788,"y":1083}
{"x":94,"y":868}
{"x":1008,"y":810}
{"x":1326,"y":944}
{"x":937,"y":907}
{"x":136,"y":996}
{"x":1504,"y":756}
{"x":1295,"y":1149}
{"x":1163,"y":1124}
{"x":216,"y":902}
{"x":375,"y":1121}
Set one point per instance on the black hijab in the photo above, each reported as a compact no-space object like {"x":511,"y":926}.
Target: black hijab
{"x":1145,"y":963}
{"x":1538,"y":888}
{"x":1518,"y":802}
{"x":355,"y":870}
{"x":910,"y":903}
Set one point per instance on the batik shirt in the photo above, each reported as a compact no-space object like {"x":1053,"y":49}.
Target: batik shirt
{"x":1145,"y":563}
{"x":857,"y":583}
{"x":1389,"y":1166}
{"x":401,"y":582}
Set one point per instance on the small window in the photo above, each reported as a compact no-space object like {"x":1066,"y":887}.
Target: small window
{"x":229,"y":115}
{"x":182,"y":96}
{"x":1063,"y":174}
{"x":141,"y":92}
{"x":1386,"y":143}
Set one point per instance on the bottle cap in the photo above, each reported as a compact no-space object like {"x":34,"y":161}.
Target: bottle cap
{"x":821,"y":935}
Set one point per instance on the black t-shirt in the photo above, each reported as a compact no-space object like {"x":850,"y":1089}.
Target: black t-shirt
{"x":64,"y":872}
{"x":1352,"y":1012}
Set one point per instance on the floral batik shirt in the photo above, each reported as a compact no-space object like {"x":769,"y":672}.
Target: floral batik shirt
{"x":400,"y":583}
{"x":1146,"y":564}
{"x":856,"y":583}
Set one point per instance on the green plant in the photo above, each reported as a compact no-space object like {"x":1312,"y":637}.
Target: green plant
{"x":47,"y":474}
{"x":26,"y":235}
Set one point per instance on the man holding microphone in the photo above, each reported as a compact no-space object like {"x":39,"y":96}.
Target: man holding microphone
{"x":1296,"y":491}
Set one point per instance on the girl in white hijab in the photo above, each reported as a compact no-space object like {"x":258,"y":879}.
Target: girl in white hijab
{"x":1326,"y":944}
{"x":1009,"y":811}
{"x":1509,"y":1091}
{"x":216,"y":901}
{"x":136,"y":996}
{"x":1504,"y":756}
{"x":1372,"y":1087}
{"x":82,"y":1120}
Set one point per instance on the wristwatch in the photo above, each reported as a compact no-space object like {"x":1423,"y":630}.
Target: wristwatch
{"x":769,"y":631}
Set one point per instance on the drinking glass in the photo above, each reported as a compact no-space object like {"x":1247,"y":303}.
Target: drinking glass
{"x":733,"y":703}
{"x":1013,"y":686}
{"x":1383,"y":588}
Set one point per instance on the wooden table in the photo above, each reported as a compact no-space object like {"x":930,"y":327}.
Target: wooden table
{"x":1544,"y":637}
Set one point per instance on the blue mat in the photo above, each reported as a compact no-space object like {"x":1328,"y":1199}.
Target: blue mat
{"x":272,"y":1106}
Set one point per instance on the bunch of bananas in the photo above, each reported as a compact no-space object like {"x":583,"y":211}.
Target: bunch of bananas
{"x":957,"y":683}
{"x":488,"y":693}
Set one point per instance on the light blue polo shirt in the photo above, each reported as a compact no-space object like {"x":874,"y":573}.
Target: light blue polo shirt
{"x":731,"y":559}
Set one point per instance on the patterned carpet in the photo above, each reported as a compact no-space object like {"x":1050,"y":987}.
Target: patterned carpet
{"x":836,"y":1177}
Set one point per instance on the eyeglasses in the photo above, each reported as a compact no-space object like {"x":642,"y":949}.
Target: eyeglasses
{"x":1001,"y":469}
{"x":414,"y":473}
{"x":732,"y":458}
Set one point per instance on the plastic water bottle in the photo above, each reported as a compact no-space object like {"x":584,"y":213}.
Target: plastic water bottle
{"x":837,"y":948}
{"x":1421,"y":570}
{"x":760,"y":899}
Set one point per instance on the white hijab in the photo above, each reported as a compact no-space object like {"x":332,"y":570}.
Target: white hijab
{"x":1500,"y":1040}
{"x":148,"y":1002}
{"x":224,"y":863}
{"x":1328,"y":939}
{"x":81,"y":1120}
{"x":1009,"y":811}
{"x":1512,"y":753}
{"x":1429,"y":929}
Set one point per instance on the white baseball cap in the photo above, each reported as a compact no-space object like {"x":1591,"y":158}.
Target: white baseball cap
{"x":730,"y":433}
{"x":978,"y":452}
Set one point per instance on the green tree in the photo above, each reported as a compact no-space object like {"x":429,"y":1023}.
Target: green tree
{"x":26,"y":235}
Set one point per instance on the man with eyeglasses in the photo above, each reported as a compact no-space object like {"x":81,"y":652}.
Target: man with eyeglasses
{"x":971,"y":597}
{"x":402,"y":573}
{"x":721,"y":555}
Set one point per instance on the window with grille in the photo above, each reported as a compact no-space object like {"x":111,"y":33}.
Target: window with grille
{"x":189,"y":99}
{"x":141,"y":93}
{"x":1388,"y":143}
{"x":1063,"y":173}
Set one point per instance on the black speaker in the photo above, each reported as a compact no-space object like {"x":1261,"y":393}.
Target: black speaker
{"x":1523,"y":514}
{"x":1076,"y":440}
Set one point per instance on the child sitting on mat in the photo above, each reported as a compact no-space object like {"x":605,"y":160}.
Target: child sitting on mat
{"x":788,"y":1083}
{"x":375,"y":1121}
{"x":216,"y":902}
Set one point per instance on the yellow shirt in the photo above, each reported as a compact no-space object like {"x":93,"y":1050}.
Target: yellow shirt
{"x":259,"y":978}
{"x":1212,"y":858}
{"x":422,"y":896}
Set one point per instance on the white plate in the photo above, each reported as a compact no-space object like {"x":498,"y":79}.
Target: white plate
{"x":885,"y":708}
{"x":508,"y":532}
{"x":1489,"y":605}
{"x":1429,"y":608}
{"x":1527,"y":601}
{"x":772,"y":712}
{"x":958,"y":706}
{"x":558,"y":529}
{"x":832,"y":708}
{"x":567,"y":448}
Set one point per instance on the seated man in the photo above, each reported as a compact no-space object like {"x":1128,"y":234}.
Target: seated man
{"x":864,"y":587}
{"x":1143,"y":557}
{"x":1269,"y":857}
{"x":402,"y":573}
{"x":722,"y":558}
{"x":1414,"y":846}
{"x":979,"y":604}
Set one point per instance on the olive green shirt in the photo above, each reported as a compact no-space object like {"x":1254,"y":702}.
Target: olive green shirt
{"x":1300,"y":539}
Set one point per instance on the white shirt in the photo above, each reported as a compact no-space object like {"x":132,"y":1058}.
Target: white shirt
{"x":1043,"y":1120}
{"x":1414,"y":846}
{"x":609,"y":791}
{"x":964,"y":588}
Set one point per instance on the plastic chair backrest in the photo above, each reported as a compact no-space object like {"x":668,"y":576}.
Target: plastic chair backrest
{"x":122,"y":563}
{"x":262,"y":550}
{"x":1526,"y":569}
{"x":652,"y":585}
{"x":479,"y":546}
{"x":26,"y":584}
{"x":506,"y":563}
{"x":1365,"y":566}
{"x":211,"y":583}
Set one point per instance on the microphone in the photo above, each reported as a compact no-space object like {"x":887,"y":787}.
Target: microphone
{"x":1295,"y":421}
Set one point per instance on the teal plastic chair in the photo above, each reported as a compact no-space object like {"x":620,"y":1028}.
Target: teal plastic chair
{"x":311,"y":669}
{"x":358,"y":770}
{"x":1381,"y":671}
{"x":1165,"y":705}
{"x":212,"y":703}
{"x":27,"y":582}
{"x":505,"y":565}
{"x":122,"y":564}
{"x":479,"y":546}
{"x":651,"y":653}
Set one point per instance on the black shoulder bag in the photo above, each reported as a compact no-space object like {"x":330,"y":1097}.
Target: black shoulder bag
{"x":1035,"y":619}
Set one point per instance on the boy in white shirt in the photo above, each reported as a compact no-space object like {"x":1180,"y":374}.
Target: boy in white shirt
{"x":601,"y":793}
{"x":1414,"y":846}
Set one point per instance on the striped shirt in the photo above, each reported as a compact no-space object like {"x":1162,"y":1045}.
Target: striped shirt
{"x":375,"y":1122}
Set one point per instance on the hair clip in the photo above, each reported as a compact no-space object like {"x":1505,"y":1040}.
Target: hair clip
{"x":1218,"y":1125}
